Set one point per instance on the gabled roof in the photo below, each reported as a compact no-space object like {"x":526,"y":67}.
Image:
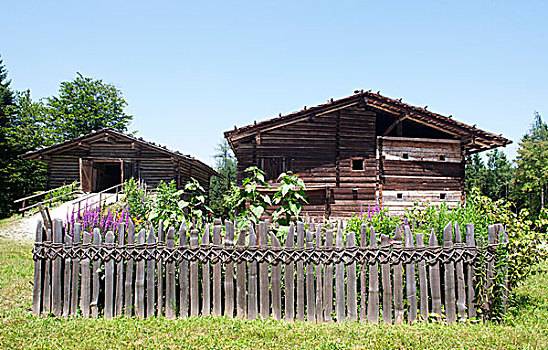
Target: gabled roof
{"x":474,"y":139}
{"x":105,"y":133}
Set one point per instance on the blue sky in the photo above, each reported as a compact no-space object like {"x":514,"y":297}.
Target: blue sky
{"x":191,"y":70}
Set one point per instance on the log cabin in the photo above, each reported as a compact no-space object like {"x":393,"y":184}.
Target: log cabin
{"x":363,"y":150}
{"x":105,"y":158}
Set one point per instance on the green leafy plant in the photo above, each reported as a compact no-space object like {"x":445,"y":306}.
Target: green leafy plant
{"x":195,"y":203}
{"x":255,"y":202}
{"x":290,"y":196}
{"x":166,"y":205}
{"x":137,"y":201}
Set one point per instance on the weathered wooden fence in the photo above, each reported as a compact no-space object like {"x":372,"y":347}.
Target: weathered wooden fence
{"x":250,"y":273}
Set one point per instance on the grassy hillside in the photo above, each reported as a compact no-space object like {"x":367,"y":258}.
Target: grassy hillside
{"x":525,"y":327}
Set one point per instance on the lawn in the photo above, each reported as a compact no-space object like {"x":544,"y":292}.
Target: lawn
{"x":525,"y":327}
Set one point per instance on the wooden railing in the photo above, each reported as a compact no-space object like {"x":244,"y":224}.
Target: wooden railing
{"x":75,"y":188}
{"x":102,"y":196}
{"x":320,"y":274}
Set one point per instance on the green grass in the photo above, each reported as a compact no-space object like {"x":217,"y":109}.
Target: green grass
{"x":525,"y":327}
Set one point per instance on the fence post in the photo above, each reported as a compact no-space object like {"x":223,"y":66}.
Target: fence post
{"x":398,"y":280}
{"x":206,"y":285}
{"x":423,"y":281}
{"x":352,"y":279}
{"x":340,"y":310}
{"x":240,"y":280}
{"x":56,"y":297}
{"x":459,"y":266}
{"x":373,"y":306}
{"x":471,"y":281}
{"x":183,"y":274}
{"x":38,"y":267}
{"x":310,"y":286}
{"x":97,"y":242}
{"x":386,"y":285}
{"x":289,"y":278}
{"x":229,"y":271}
{"x":252,"y":306}
{"x":410,"y":284}
{"x":300,"y":273}
{"x":128,"y":283}
{"x":449,"y":276}
{"x":217,"y":287}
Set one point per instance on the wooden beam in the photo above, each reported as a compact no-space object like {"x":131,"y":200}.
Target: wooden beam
{"x":393,"y":125}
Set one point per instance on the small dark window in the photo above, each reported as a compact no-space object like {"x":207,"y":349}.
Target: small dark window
{"x":405,"y":156}
{"x":399,"y":195}
{"x":355,"y":194}
{"x":357,"y":164}
{"x":442,"y":157}
{"x":442,"y":195}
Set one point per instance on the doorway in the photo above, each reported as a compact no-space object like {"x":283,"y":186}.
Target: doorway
{"x":97,"y":175}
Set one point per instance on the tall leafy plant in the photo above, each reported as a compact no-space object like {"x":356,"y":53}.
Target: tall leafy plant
{"x":255,"y":202}
{"x":195,"y":203}
{"x":290,"y":196}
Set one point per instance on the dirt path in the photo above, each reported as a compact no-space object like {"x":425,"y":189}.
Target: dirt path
{"x":23,"y":229}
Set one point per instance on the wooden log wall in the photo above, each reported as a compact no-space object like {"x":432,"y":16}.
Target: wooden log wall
{"x":182,"y":273}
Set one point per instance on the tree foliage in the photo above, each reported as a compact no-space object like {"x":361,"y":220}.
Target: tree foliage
{"x":492,"y":179}
{"x":225,"y":164}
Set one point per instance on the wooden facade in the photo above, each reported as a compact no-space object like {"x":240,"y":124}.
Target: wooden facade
{"x":105,"y":158}
{"x":362,"y":150}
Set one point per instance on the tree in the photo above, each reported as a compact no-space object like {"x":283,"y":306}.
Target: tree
{"x":498,"y":176}
{"x":6,"y":151}
{"x":225,"y":164}
{"x":87,"y":104}
{"x":475,"y":173}
{"x":532,"y":167}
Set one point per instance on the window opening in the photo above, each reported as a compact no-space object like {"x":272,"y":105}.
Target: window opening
{"x":357,"y":164}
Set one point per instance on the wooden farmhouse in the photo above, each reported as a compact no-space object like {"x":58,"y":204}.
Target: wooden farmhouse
{"x":362,"y":150}
{"x":105,"y":158}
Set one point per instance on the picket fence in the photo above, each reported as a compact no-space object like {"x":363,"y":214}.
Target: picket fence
{"x":148,"y":274}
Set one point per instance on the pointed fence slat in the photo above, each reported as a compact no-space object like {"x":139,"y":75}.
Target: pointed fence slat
{"x":471,"y":280}
{"x":170,"y":276}
{"x":328,"y":281}
{"x":310,"y":285}
{"x":95,"y":276}
{"x":140,"y":280}
{"x":363,"y":276}
{"x":56,"y":272}
{"x":352,"y":297}
{"x":252,"y":301}
{"x":264,"y":296}
{"x":109,"y":277}
{"x":119,"y":302}
{"x":184,"y":285}
{"x":67,"y":277}
{"x":449,"y":281}
{"x":128,"y":280}
{"x":194,"y":283}
{"x":150,"y":275}
{"x":423,"y":281}
{"x":491,"y":239}
{"x":160,"y":273}
{"x":229,"y":271}
{"x":459,"y":266}
{"x":398,"y":281}
{"x":289,"y":278}
{"x":319,"y":280}
{"x":38,"y":268}
{"x":75,"y":280}
{"x":386,"y":286}
{"x":373,"y":305}
{"x":276,"y":282}
{"x":435,"y":279}
{"x":241,"y":292}
{"x":217,"y":310}
{"x":85,"y":297}
{"x":340,"y":302}
{"x":410,"y":285}
{"x":300,"y":274}
{"x":503,"y":238}
{"x":206,"y":278}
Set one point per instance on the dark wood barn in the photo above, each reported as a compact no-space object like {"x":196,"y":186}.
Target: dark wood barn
{"x":362,"y":150}
{"x":105,"y":158}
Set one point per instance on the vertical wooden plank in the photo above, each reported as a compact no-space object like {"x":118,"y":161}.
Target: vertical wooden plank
{"x":386,"y":285}
{"x":252,"y":302}
{"x":140,"y":280}
{"x":56,"y":272}
{"x":264,"y":284}
{"x":449,"y":268}
{"x":86,"y":279}
{"x":491,"y":239}
{"x":67,"y":277}
{"x":435,"y":279}
{"x":300,"y":273}
{"x":75,"y":280}
{"x":241,"y":290}
{"x":289,"y":278}
{"x":206,"y":278}
{"x":423,"y":282}
{"x":119,"y":301}
{"x":194,"y":283}
{"x":184,"y":285}
{"x":46,"y":296}
{"x":217,"y":287}
{"x":328,"y":280}
{"x":310,"y":286}
{"x":160,"y":272}
{"x":128,"y":280}
{"x":38,"y":268}
{"x":503,"y":238}
{"x":276,"y":282}
{"x":351,"y":284}
{"x":471,"y":274}
{"x":373,"y":305}
{"x":96,"y":278}
{"x":171,"y":303}
{"x":363,"y":276}
{"x":319,"y":279}
{"x":398,"y":281}
{"x":150,"y":275}
{"x":109,"y":278}
{"x":229,"y":272}
{"x":410,"y":284}
{"x":340,"y":311}
{"x":459,"y":265}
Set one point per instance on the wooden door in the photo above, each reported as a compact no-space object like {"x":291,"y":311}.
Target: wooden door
{"x":86,"y":174}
